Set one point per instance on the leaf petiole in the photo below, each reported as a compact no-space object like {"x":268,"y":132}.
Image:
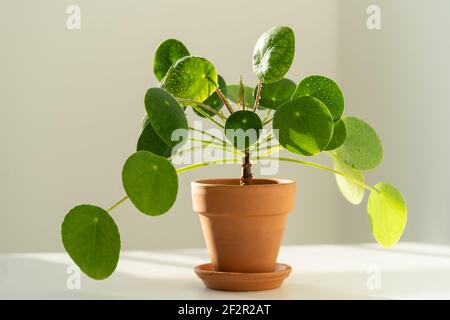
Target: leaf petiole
{"x":319,"y":166}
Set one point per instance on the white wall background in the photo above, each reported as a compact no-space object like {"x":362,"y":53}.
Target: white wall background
{"x":71,"y":104}
{"x":398,"y":78}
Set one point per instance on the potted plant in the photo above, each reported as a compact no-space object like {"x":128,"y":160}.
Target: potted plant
{"x":242,"y":219}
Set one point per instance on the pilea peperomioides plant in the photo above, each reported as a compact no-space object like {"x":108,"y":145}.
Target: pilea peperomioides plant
{"x":307,"y":120}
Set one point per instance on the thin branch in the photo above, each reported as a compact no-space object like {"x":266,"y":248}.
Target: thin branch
{"x":207,"y":163}
{"x":203,"y":106}
{"x":207,"y":116}
{"x":270,"y":150}
{"x":224,"y":100}
{"x":223,"y":144}
{"x":206,"y":144}
{"x":268,"y":137}
{"x":266,"y":117}
{"x":207,"y":134}
{"x":319,"y":166}
{"x":258,"y":96}
{"x":118,"y":203}
{"x":267,"y":121}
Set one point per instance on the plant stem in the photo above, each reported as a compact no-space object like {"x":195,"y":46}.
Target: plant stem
{"x":207,"y":116}
{"x":267,"y":121}
{"x":118,"y":203}
{"x":266,"y":117}
{"x":207,"y":163}
{"x":270,"y":150}
{"x":224,"y":100}
{"x":268,"y":137}
{"x":223,"y":144}
{"x":203,"y":106}
{"x":318,"y":166}
{"x":258,"y":96}
{"x":246,"y":176}
{"x":215,"y":146}
{"x":209,"y":135}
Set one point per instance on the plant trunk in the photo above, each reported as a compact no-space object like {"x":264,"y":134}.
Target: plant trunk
{"x":246,"y":177}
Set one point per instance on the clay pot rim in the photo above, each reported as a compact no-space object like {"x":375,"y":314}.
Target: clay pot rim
{"x":234,"y":183}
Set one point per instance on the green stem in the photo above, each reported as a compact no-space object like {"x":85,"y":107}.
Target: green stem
{"x":270,"y":150}
{"x":203,"y":113}
{"x":266,"y":117}
{"x":118,"y":203}
{"x":207,"y":163}
{"x":260,"y":142}
{"x":209,"y":135}
{"x":267,"y":121}
{"x":318,"y":166}
{"x":207,"y":142}
{"x":202,"y":105}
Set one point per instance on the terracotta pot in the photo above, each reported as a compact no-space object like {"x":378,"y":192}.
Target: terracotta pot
{"x":243,"y":225}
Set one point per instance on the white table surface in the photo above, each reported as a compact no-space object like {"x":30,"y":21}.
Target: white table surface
{"x":361,"y":271}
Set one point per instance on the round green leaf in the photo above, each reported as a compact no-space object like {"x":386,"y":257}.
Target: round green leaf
{"x":149,"y":140}
{"x":150,"y":182}
{"x":166,"y":115}
{"x":243,"y":128}
{"x":387,"y":214}
{"x":351,"y":191}
{"x":169,"y":51}
{"x":92,"y":239}
{"x":303,"y":125}
{"x":191,"y":78}
{"x":273,"y":54}
{"x":275,"y":94}
{"x":213,"y":100}
{"x":324,"y":89}
{"x":362,"y":149}
{"x":339,"y":135}
{"x":233,"y":94}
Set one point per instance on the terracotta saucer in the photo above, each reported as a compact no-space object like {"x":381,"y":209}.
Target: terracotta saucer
{"x":235,"y":281}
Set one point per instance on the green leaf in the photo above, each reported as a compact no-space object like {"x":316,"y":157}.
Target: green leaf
{"x":233,"y":94}
{"x":191,"y":78}
{"x":243,"y":128}
{"x":275,"y":94}
{"x":324,"y":89}
{"x":362,"y":149}
{"x":145,"y":121}
{"x":304,"y":125}
{"x":339,"y":135}
{"x":150,"y":182}
{"x":169,"y":51}
{"x":273,"y":54}
{"x":241,"y":92}
{"x":92,"y":239}
{"x":213,"y":100}
{"x":351,"y":191}
{"x":149,"y":140}
{"x":387,"y":214}
{"x":166,"y":115}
